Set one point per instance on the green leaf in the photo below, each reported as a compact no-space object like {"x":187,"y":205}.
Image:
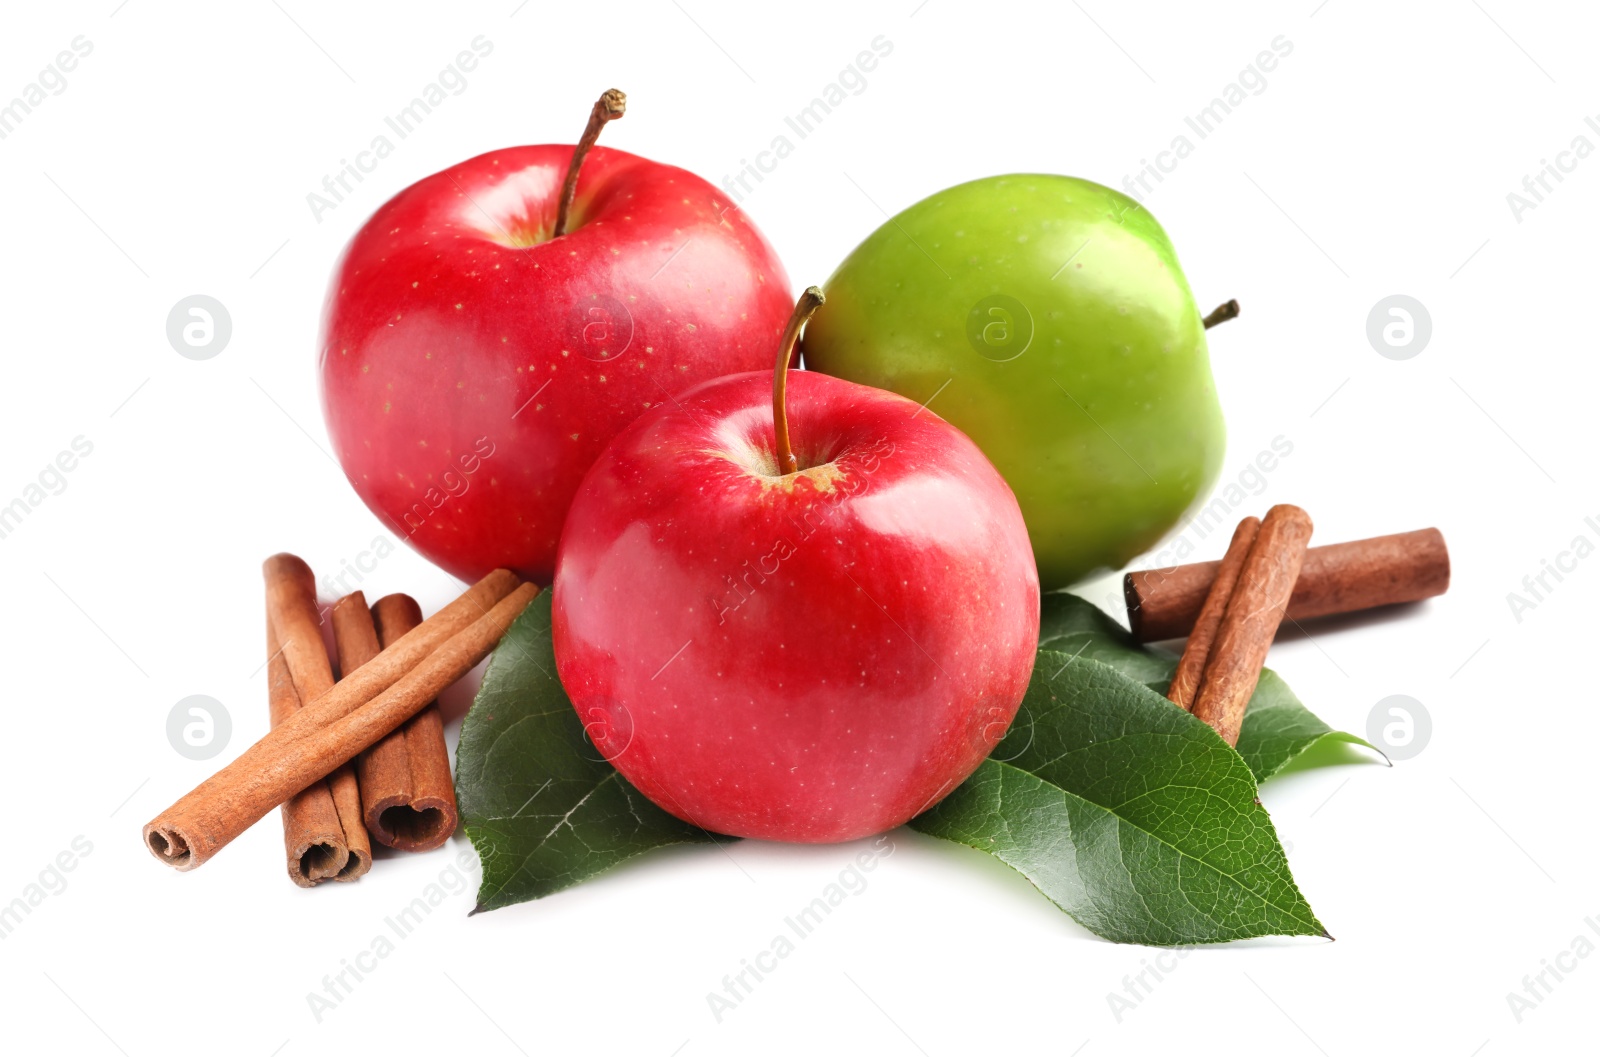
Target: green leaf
{"x":1131,"y":815}
{"x":1277,"y":726}
{"x":541,"y":806}
{"x":1077,"y":626}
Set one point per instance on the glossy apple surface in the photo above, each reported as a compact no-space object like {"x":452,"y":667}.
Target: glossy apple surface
{"x":810,"y":657}
{"x":1051,"y":317}
{"x":473,"y":366}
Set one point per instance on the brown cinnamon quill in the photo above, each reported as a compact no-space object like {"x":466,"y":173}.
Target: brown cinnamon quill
{"x":1336,"y":578}
{"x":1186,"y":680}
{"x":313,"y":838}
{"x":334,"y":728}
{"x":407,"y":796}
{"x":1255,"y":608}
{"x":292,"y":614}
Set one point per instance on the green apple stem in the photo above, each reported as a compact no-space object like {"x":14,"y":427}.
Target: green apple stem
{"x":1222,"y":313}
{"x":809,"y":302}
{"x":608,"y":107}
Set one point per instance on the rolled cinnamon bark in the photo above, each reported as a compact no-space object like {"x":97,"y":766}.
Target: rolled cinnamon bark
{"x":1338,"y":578}
{"x":292,"y":613}
{"x":407,"y":796}
{"x":428,"y":818}
{"x":1186,"y":679}
{"x":356,"y":713}
{"x":313,"y":838}
{"x":1251,"y":619}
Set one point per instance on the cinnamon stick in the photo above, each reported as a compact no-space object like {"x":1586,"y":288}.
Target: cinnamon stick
{"x":1255,"y":608}
{"x":407,"y":796}
{"x":1186,"y":680}
{"x":1338,"y":578}
{"x":292,"y":613}
{"x":356,"y":713}
{"x":313,"y":838}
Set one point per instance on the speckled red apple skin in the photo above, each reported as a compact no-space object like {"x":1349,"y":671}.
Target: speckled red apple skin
{"x":473,"y":368}
{"x":813,"y":658}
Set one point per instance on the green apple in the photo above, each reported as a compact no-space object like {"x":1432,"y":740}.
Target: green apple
{"x":1048,"y":319}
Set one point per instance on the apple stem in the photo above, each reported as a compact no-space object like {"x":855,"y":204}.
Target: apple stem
{"x":809,"y":302}
{"x":1222,"y":313}
{"x":608,"y":107}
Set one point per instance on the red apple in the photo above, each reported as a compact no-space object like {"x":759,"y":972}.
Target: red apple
{"x":474,"y":362}
{"x":813,"y":655}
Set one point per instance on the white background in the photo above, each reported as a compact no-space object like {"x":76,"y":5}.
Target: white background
{"x":1376,"y":161}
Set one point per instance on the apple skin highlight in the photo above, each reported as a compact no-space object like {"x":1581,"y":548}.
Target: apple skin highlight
{"x":1053,"y":322}
{"x":811,"y":657}
{"x":473,"y":365}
